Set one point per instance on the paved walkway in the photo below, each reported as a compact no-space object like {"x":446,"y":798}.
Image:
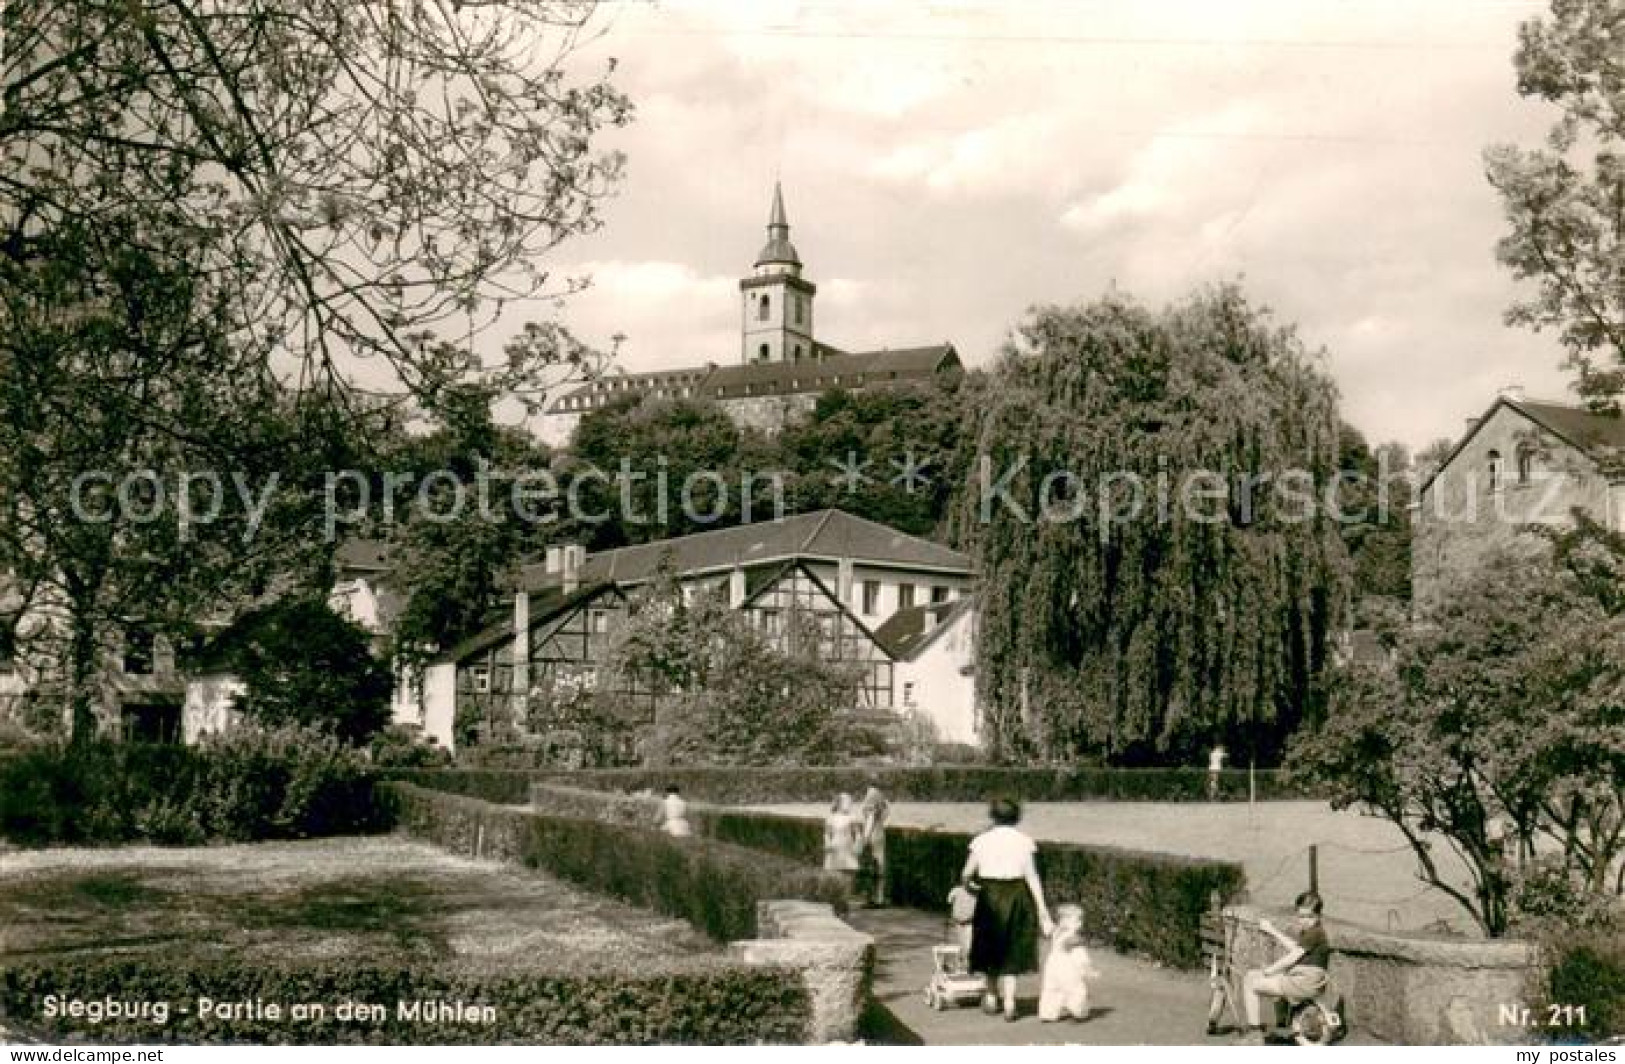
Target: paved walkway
{"x":1135,"y":1002}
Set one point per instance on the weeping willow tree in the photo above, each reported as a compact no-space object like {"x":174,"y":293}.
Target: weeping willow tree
{"x":1148,"y":508}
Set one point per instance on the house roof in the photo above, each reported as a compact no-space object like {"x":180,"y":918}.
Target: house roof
{"x":545,"y":605}
{"x":907,"y":632}
{"x":1588,"y":432}
{"x":820,"y":534}
{"x":362,"y":556}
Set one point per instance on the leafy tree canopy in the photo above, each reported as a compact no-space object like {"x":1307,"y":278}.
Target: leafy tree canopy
{"x":1565,"y":201}
{"x":1195,"y":609}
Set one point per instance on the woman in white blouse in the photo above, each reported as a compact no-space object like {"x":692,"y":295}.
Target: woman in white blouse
{"x":1010,"y":906}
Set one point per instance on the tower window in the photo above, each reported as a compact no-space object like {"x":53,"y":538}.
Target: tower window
{"x":798,"y":309}
{"x":762,"y":307}
{"x":798,"y":352}
{"x":761,"y":352}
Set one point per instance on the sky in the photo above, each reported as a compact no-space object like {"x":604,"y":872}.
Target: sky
{"x":948,"y":166}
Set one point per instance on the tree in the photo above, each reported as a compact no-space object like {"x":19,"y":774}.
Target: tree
{"x":303,"y":664}
{"x":729,"y":694}
{"x":119,"y":391}
{"x":1124,"y":610}
{"x":1375,"y":501}
{"x":367,"y":182}
{"x":1502,"y":723}
{"x":1565,"y":202}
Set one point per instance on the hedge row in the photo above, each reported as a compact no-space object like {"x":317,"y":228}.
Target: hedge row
{"x":708,"y":1001}
{"x":245,"y":785}
{"x":1136,"y":902}
{"x":501,"y":786}
{"x":712,"y":885}
{"x":942,"y":783}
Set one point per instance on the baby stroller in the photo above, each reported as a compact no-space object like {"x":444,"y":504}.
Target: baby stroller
{"x":951,"y":981}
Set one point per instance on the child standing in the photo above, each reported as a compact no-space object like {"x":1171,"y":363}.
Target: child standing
{"x":1068,"y":969}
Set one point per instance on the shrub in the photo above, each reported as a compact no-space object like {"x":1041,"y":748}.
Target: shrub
{"x":1147,"y":903}
{"x":401,"y":747}
{"x":243,"y":785}
{"x":707,"y":1001}
{"x":712,"y":885}
{"x":1588,"y":972}
{"x":940,"y":783}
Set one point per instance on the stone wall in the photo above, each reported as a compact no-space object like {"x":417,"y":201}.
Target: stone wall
{"x":1411,"y":989}
{"x":836,"y":962}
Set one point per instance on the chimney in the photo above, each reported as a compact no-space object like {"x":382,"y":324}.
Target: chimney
{"x":521,"y":646}
{"x":572,"y":557}
{"x":843,"y":581}
{"x":1513,"y":392}
{"x":736,"y":588}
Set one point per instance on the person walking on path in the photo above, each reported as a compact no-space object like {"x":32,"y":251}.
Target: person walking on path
{"x":674,"y":815}
{"x":1010,"y":906}
{"x":1215,"y":765}
{"x":842,"y":838}
{"x":873,"y":813}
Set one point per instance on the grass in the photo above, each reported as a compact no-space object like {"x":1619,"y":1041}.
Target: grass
{"x":1367,"y":873}
{"x":380,"y":898}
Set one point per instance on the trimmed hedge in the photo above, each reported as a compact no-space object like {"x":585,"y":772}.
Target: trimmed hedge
{"x":708,"y":1001}
{"x":1588,"y":972}
{"x":501,"y":786}
{"x":246,"y":785}
{"x":1136,"y":902}
{"x":941,"y":783}
{"x":712,"y":885}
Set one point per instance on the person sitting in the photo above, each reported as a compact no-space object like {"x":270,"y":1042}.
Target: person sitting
{"x":1299,"y":975}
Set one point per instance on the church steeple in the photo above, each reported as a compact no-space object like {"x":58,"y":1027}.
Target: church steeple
{"x":777,"y":307}
{"x":778,"y":251}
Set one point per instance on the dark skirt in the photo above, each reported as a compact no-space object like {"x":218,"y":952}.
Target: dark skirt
{"x":1004,"y":931}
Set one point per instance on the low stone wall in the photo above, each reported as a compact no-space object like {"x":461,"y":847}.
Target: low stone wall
{"x":836,"y":962}
{"x":1411,"y":989}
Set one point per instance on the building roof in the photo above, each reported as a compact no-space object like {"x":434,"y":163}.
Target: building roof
{"x":546,"y":604}
{"x":909,"y":631}
{"x":1588,"y":432}
{"x":820,"y":534}
{"x":362,"y":556}
{"x":778,"y":249}
{"x":862,"y":370}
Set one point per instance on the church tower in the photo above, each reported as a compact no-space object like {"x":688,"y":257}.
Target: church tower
{"x":777,"y":303}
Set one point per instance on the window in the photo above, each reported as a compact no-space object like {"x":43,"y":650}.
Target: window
{"x":762,"y":307}
{"x":798,"y":316}
{"x":798,"y":352}
{"x":908,"y":694}
{"x":1526,"y":462}
{"x":761,"y":353}
{"x":939,"y":594}
{"x":481,"y":675}
{"x":138,"y":652}
{"x":871,"y":596}
{"x":905,"y":596}
{"x":600,"y":622}
{"x":1495,"y":470}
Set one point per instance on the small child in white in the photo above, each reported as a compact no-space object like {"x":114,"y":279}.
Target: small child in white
{"x":1067,"y":970}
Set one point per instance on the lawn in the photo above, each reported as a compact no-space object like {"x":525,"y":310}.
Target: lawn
{"x":379,"y":898}
{"x":1367,"y":873}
